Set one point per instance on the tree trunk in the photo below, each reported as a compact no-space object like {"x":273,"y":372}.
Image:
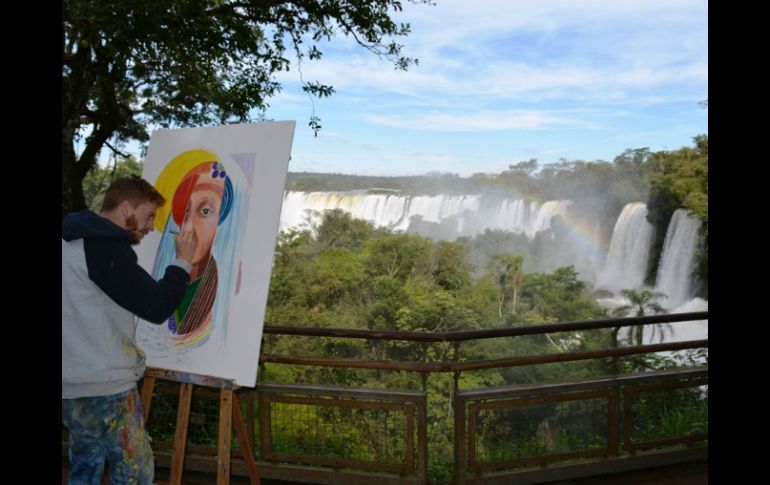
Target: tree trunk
{"x":614,"y":344}
{"x":72,"y":198}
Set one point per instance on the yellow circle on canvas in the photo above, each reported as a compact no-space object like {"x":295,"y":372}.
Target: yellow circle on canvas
{"x":172,"y":175}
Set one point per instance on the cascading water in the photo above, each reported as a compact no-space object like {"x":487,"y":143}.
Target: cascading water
{"x":678,"y":260}
{"x":629,"y":250}
{"x":471,"y":213}
{"x":673,"y":278}
{"x":581,"y":245}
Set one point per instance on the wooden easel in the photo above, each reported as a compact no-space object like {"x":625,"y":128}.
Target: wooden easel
{"x":229,"y":415}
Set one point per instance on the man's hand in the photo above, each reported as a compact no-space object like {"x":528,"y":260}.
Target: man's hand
{"x":185,"y":243}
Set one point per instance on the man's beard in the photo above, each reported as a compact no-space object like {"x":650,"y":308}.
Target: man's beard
{"x":133,"y":230}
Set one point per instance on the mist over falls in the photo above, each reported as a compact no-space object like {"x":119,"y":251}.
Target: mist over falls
{"x":609,"y":252}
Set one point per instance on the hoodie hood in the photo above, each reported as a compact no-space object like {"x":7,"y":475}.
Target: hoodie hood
{"x":88,"y":224}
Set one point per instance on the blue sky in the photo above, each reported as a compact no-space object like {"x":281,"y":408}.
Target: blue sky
{"x":501,"y":81}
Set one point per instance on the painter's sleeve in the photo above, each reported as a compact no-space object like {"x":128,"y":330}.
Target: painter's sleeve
{"x":113,"y":267}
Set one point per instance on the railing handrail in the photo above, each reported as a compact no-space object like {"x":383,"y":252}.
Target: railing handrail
{"x":334,"y":391}
{"x":463,"y":335}
{"x":579,"y":385}
{"x":455,"y":366}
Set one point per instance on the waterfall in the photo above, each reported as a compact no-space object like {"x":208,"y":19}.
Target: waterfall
{"x":435,"y":208}
{"x":471,"y":213}
{"x":579,"y":240}
{"x":678,"y":259}
{"x":629,"y":250}
{"x":543,"y":215}
{"x":382,"y":210}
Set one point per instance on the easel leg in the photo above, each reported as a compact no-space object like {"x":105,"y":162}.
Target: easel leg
{"x":243,"y":439}
{"x":180,"y":435}
{"x":147,"y":387}
{"x":225,"y":435}
{"x":229,"y":416}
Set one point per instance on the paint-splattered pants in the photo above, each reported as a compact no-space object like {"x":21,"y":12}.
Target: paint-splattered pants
{"x":110,"y":427}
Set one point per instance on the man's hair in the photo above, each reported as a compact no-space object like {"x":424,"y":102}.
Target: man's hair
{"x":134,"y":189}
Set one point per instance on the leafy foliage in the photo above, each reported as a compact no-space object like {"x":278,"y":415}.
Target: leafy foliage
{"x":99,"y":178}
{"x":344,"y":273}
{"x":129,"y":66}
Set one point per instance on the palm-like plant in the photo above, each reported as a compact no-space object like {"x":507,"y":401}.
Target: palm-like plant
{"x":645,"y":302}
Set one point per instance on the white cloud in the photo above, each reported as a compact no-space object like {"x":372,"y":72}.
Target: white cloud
{"x":495,"y":48}
{"x":542,"y":72}
{"x":502,"y":80}
{"x":479,"y":121}
{"x":490,"y":75}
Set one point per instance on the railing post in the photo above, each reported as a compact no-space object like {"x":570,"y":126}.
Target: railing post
{"x":458,"y":415}
{"x":613,"y":408}
{"x":459,"y":468}
{"x":422,"y":439}
{"x":265,"y":431}
{"x":627,"y":422}
{"x":250,"y":418}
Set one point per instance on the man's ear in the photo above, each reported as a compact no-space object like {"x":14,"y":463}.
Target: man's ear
{"x":125,"y":208}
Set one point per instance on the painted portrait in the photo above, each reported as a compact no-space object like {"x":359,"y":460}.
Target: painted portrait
{"x":224,"y":184}
{"x":202,"y":198}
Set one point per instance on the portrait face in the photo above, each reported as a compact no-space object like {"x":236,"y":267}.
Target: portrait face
{"x":198,"y":202}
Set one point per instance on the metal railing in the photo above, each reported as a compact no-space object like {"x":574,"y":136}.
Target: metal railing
{"x":314,"y":417}
{"x":588,"y":424}
{"x":610,"y":445}
{"x":534,"y":432}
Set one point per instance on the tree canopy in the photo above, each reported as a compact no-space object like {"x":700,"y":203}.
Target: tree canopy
{"x":128,"y":66}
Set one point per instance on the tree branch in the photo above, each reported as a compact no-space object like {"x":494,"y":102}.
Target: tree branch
{"x":116,"y":151}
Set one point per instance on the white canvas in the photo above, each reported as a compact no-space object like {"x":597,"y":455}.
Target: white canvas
{"x":225,"y":183}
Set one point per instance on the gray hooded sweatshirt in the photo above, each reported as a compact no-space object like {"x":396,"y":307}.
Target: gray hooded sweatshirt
{"x":102,"y":288}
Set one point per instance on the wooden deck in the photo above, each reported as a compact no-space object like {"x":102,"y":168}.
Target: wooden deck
{"x":689,"y":474}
